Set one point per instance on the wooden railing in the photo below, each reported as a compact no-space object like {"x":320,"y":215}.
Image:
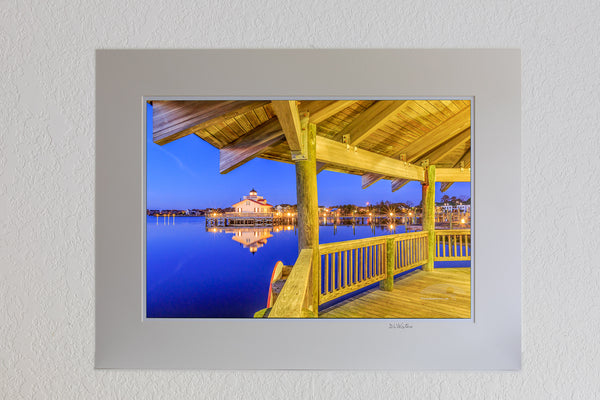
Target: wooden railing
{"x":296,"y":298}
{"x":346,"y":267}
{"x":351,"y":265}
{"x":411,"y":251}
{"x":453,"y":245}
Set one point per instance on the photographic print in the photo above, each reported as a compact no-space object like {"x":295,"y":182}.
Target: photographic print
{"x":308,"y":208}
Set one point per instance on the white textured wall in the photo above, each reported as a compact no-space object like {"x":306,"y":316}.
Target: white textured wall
{"x":47,"y":185}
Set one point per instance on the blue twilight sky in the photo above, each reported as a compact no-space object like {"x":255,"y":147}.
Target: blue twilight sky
{"x":184,"y":174}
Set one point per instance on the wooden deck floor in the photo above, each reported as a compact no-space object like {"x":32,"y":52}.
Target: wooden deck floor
{"x":442,"y":293}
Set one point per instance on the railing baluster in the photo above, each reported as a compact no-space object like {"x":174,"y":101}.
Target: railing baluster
{"x":357,"y":266}
{"x":367,"y":258}
{"x":326,"y":274}
{"x":444,"y":245}
{"x":372,"y":260}
{"x":376,"y":264}
{"x":381,"y":259}
{"x":345,"y":273}
{"x":364,"y":263}
{"x":397,"y":259}
{"x":352,"y":262}
{"x":339,"y":270}
{"x":454,"y":242}
{"x":380,"y":256}
{"x":469,"y":254}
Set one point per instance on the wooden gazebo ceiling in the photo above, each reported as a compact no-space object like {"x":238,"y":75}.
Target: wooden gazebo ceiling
{"x":386,"y":139}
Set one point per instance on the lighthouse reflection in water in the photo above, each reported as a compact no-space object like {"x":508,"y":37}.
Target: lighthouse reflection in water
{"x":252,"y":238}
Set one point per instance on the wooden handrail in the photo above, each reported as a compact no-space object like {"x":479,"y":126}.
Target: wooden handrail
{"x":350,"y":244}
{"x":296,"y":295}
{"x":440,"y":232}
{"x":356,"y":243}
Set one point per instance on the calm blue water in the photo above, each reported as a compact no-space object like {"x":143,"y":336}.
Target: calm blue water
{"x":192,"y":273}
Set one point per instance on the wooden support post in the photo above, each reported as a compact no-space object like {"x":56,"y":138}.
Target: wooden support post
{"x":429,"y":215}
{"x":308,"y":207}
{"x":388,"y":283}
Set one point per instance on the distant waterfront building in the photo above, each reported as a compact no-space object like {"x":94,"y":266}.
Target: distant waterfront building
{"x":463,"y":207}
{"x":459,"y":206}
{"x":252,"y":203}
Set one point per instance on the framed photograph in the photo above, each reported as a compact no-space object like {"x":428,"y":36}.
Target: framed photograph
{"x":308,"y":209}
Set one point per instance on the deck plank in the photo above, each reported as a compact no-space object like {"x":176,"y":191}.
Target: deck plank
{"x":441,"y":293}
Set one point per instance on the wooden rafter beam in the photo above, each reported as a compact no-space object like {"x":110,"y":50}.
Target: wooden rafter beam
{"x":465,"y":161}
{"x":321,"y":166}
{"x":398,"y":183}
{"x":453,"y":174}
{"x":251,"y":145}
{"x":439,"y":153}
{"x":172,"y":120}
{"x":370,"y":120}
{"x":445,"y":186}
{"x":448,"y":147}
{"x":333,"y":152}
{"x":320,"y":110}
{"x":376,"y":179}
{"x":369,"y":179}
{"x":287,"y":113}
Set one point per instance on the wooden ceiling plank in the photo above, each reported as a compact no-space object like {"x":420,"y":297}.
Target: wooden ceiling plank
{"x":416,"y":113}
{"x":430,"y":113}
{"x":175,"y":120}
{"x":261,"y":114}
{"x":289,"y":118}
{"x":411,"y":124}
{"x":431,"y":140}
{"x":438,"y":105}
{"x":251,"y":145}
{"x":207,"y":135}
{"x":453,"y":105}
{"x":449,"y":146}
{"x":333,"y":152}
